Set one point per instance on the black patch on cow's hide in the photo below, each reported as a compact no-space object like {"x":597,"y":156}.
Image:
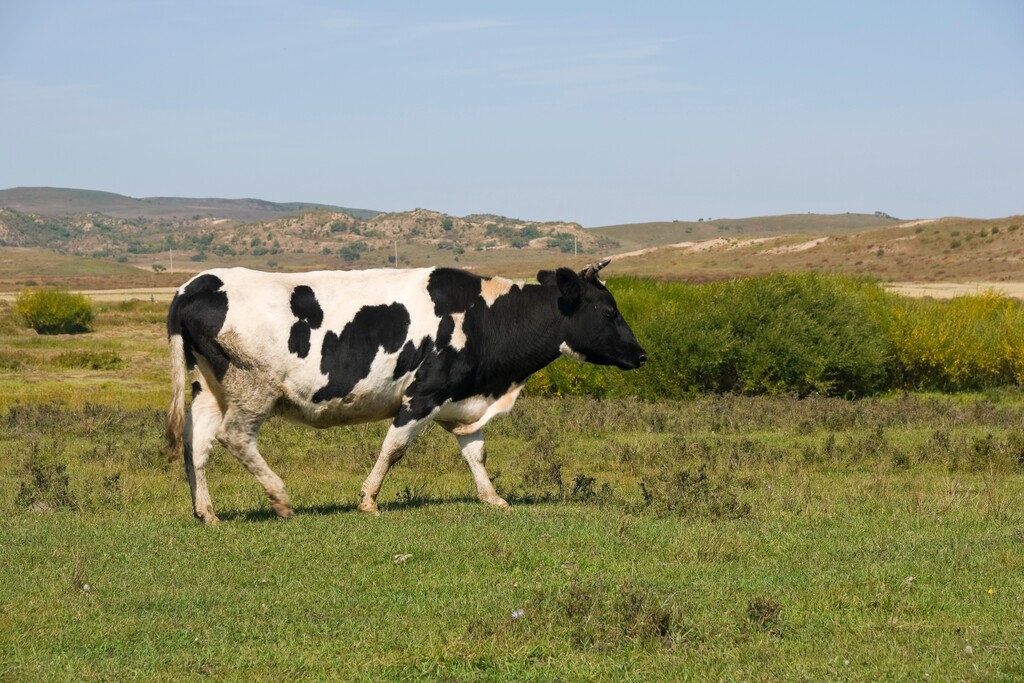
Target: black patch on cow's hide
{"x":346,"y":358}
{"x":197,"y":388}
{"x":298,"y":339}
{"x":445,"y":329}
{"x":452,"y":290}
{"x":198,"y":314}
{"x":307,"y":309}
{"x":412,"y":356}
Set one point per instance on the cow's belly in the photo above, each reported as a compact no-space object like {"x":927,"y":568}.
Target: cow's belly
{"x":352,"y":409}
{"x":471,"y":414}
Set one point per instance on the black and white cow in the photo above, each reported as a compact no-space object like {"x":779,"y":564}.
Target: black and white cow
{"x":331,"y":348}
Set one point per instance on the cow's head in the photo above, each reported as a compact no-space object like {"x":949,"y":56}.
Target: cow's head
{"x":595,"y":330}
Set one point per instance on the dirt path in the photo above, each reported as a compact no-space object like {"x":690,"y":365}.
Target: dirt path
{"x":948,"y":290}
{"x":163,"y":294}
{"x":937,"y":290}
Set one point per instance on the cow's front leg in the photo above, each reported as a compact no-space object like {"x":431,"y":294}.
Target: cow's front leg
{"x":475,"y":453}
{"x":396,"y":443}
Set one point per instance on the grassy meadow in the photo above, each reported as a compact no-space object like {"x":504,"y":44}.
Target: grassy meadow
{"x":723,"y":537}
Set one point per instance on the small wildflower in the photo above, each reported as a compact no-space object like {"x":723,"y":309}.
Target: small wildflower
{"x":85,"y":588}
{"x":991,"y":591}
{"x":518,"y":614}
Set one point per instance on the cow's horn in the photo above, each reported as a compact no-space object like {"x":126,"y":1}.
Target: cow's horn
{"x":590,"y":272}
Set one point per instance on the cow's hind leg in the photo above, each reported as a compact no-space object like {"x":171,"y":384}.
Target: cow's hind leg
{"x":201,"y":424}
{"x":475,"y":453}
{"x":396,"y":443}
{"x":238,"y":434}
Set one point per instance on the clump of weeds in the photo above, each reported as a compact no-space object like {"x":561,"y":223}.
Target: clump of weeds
{"x":90,"y":360}
{"x":414,"y":496}
{"x":602,"y":616}
{"x":686,"y":493}
{"x":46,"y":486}
{"x":765,"y":616}
{"x":593,"y":614}
{"x":584,"y":490}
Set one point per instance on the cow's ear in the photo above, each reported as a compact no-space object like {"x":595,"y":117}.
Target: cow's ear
{"x":570,"y":286}
{"x":546,"y":278}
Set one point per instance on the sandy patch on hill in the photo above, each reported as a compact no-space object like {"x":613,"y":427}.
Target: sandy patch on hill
{"x":911,"y":224}
{"x":790,"y":248}
{"x":648,"y":250}
{"x":698,"y":247}
{"x":739,"y":244}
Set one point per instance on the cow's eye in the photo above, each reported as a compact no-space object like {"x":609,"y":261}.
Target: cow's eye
{"x":610,"y":313}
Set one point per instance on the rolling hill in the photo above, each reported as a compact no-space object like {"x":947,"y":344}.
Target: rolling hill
{"x":642,"y":235}
{"x":933,"y":250}
{"x":318,"y":237}
{"x":301,"y":236}
{"x":53,"y":201}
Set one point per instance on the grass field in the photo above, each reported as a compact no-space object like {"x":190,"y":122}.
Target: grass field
{"x":723,"y":538}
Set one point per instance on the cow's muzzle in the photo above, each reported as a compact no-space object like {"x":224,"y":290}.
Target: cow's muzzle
{"x":636,"y":361}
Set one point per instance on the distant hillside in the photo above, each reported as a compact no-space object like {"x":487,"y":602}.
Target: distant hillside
{"x":313,"y":239}
{"x":641,"y":235}
{"x":53,"y":201}
{"x":931,"y":250}
{"x":148,"y":240}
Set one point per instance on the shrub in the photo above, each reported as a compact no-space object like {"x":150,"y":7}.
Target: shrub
{"x":52,"y":311}
{"x":801,"y":334}
{"x":780,"y":334}
{"x":971,"y":342}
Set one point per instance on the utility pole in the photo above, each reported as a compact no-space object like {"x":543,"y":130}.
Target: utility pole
{"x":396,"y":253}
{"x":170,"y":250}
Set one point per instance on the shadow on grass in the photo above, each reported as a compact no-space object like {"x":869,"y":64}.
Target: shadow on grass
{"x":267,"y":514}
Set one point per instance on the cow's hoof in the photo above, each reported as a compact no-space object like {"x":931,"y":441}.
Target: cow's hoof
{"x":283,"y":510}
{"x":498,"y":502}
{"x":208,"y":518}
{"x":369,"y":506}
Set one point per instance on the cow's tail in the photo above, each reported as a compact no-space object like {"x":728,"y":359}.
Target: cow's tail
{"x":176,"y":410}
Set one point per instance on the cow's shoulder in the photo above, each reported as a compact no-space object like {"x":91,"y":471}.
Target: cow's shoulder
{"x":456,"y":291}
{"x":453,"y":290}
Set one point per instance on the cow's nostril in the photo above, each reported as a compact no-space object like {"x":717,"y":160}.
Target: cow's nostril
{"x":643,"y":358}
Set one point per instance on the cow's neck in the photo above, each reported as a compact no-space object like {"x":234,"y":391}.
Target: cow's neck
{"x":527,"y":334}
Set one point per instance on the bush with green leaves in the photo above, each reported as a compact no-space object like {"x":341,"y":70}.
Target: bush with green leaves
{"x":801,"y":334}
{"x":790,"y":333}
{"x":53,"y":311}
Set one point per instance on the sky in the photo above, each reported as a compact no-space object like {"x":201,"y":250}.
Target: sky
{"x":595,"y":112}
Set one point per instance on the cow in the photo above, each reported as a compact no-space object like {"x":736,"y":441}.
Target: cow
{"x":328,"y":348}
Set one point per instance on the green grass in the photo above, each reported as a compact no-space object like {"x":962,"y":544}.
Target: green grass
{"x":842,"y":503}
{"x":720,"y":538}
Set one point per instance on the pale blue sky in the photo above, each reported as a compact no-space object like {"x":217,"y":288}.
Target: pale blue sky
{"x":596,"y":112}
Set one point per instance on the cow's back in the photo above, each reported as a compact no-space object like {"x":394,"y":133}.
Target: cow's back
{"x":326,"y":341}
